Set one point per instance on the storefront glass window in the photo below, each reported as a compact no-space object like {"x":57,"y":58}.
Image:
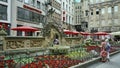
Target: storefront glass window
{"x":4,"y":0}
{"x":29,"y":16}
{"x":3,"y":12}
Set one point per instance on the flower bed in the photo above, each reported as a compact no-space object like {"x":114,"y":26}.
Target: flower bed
{"x":53,"y":61}
{"x":57,"y":49}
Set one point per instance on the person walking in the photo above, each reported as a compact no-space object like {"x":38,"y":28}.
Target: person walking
{"x":107,"y":49}
{"x":103,"y":52}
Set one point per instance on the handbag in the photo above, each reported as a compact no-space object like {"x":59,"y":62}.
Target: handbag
{"x":103,"y":53}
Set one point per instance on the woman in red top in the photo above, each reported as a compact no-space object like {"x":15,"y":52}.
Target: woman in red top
{"x":103,"y":53}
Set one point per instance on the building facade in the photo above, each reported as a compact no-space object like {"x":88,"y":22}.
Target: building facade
{"x":104,"y":15}
{"x":32,"y":13}
{"x":67,"y":16}
{"x":22,"y":13}
{"x":27,"y":13}
{"x":78,"y":12}
{"x":99,"y":15}
{"x":81,"y":15}
{"x":5,"y":14}
{"x":56,"y":5}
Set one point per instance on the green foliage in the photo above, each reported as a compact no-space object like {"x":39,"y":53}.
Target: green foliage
{"x":58,"y":49}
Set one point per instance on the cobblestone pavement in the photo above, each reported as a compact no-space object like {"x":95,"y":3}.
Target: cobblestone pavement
{"x":114,"y":63}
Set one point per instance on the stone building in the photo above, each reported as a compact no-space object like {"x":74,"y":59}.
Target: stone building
{"x":56,"y":5}
{"x":16,"y":13}
{"x":104,"y":15}
{"x":27,"y":13}
{"x":81,"y":15}
{"x":100,"y":15}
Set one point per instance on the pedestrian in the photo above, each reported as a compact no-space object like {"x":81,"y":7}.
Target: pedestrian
{"x":107,"y":49}
{"x":56,"y":41}
{"x":103,"y":53}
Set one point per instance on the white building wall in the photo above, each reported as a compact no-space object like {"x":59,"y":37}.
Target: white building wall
{"x":8,"y":4}
{"x":13,"y":12}
{"x":69,"y":12}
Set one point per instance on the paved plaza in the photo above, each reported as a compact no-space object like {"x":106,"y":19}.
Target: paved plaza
{"x":114,"y":63}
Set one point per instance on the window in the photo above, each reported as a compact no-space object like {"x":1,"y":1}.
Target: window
{"x":38,"y":4}
{"x":69,"y":19}
{"x":26,"y":15}
{"x":75,"y":7}
{"x":91,"y":13}
{"x":102,"y":0}
{"x":66,"y":7}
{"x":102,"y":10}
{"x":63,"y":6}
{"x":97,"y":11}
{"x":97,"y":1}
{"x":69,"y":8}
{"x":27,"y":1}
{"x":33,"y":2}
{"x":19,"y":33}
{"x":4,"y":0}
{"x":116,"y":8}
{"x":20,"y":0}
{"x":86,"y":12}
{"x":43,"y":6}
{"x":86,"y":3}
{"x":3,"y":12}
{"x":109,"y":10}
{"x":20,"y":13}
{"x":91,"y":1}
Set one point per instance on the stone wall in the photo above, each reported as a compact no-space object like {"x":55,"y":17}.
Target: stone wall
{"x":14,"y":43}
{"x":22,"y":42}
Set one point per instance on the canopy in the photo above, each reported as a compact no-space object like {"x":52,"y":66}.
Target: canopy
{"x":67,"y":31}
{"x":25,"y":28}
{"x":115,"y":33}
{"x":75,"y":32}
{"x":85,"y":33}
{"x":101,"y":33}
